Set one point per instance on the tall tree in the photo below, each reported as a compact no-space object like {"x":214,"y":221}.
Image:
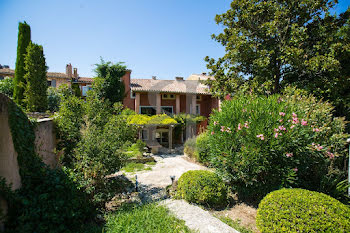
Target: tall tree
{"x":22,"y":44}
{"x":266,"y":40}
{"x":36,"y":87}
{"x":108,"y":84}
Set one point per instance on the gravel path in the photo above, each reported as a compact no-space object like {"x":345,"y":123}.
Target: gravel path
{"x":197,"y":218}
{"x":152,"y":188}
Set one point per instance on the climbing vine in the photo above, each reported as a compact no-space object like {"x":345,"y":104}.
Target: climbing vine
{"x":48,"y":200}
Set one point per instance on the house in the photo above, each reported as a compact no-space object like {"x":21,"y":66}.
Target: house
{"x":55,"y":79}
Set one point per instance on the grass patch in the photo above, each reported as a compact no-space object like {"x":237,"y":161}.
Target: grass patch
{"x":149,"y":218}
{"x":151,"y":163}
{"x":133,"y":167}
{"x":236,"y":224}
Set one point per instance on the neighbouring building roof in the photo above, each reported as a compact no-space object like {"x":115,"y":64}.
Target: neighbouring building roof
{"x":173,"y":86}
{"x":11,"y":72}
{"x":202,"y":76}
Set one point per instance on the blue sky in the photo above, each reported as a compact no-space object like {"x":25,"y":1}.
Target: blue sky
{"x":163,"y":38}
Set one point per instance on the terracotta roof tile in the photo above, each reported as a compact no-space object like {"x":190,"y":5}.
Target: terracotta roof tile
{"x":173,"y":86}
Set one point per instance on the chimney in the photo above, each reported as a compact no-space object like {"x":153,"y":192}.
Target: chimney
{"x":69,"y":70}
{"x":154,"y":77}
{"x":75,"y":73}
{"x":204,"y":73}
{"x":179,"y":78}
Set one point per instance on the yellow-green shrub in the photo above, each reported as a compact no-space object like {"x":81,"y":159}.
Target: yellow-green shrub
{"x":300,"y":210}
{"x":202,"y":187}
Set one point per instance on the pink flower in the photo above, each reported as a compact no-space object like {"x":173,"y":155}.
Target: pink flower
{"x":215,"y":122}
{"x":244,"y":110}
{"x":294,"y":115}
{"x":295,"y":169}
{"x":212,"y":132}
{"x":276,"y":130}
{"x":316,"y":129}
{"x":303,"y":122}
{"x":222,"y":129}
{"x":282,"y":114}
{"x":292,"y":126}
{"x":295,"y":120}
{"x":330,"y":154}
{"x":261,"y":136}
{"x":239,"y":126}
{"x":228,"y":130}
{"x":246,"y":125}
{"x":281,"y":127}
{"x":289,"y":155}
{"x":280,"y":120}
{"x":276,"y":135}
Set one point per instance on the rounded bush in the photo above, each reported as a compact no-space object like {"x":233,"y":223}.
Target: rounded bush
{"x":300,"y":210}
{"x":202,"y":187}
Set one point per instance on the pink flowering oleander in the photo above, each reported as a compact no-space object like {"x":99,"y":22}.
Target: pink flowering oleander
{"x":289,"y":155}
{"x":282,"y":114}
{"x":212,"y":132}
{"x":280,"y":120}
{"x":281,"y":127}
{"x":294,"y":115}
{"x":239,"y":126}
{"x":303,"y":122}
{"x":276,"y":130}
{"x":215,"y":122}
{"x":246,"y":125}
{"x":276,"y":135}
{"x":316,"y":129}
{"x":292,"y":126}
{"x":261,"y":136}
{"x":330,"y":154}
{"x":295,"y":169}
{"x":222,"y":128}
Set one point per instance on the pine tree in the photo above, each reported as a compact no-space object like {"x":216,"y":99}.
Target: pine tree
{"x":35,"y":77}
{"x":22,"y":44}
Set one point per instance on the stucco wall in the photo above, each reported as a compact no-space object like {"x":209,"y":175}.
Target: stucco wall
{"x":45,"y":141}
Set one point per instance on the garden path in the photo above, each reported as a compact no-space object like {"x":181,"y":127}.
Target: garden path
{"x":152,"y":188}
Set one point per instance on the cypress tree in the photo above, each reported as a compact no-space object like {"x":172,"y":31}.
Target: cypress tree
{"x":22,"y":44}
{"x":35,"y":77}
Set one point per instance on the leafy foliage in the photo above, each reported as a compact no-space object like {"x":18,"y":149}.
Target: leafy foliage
{"x":299,"y":210}
{"x":76,"y":89}
{"x":48,"y":200}
{"x":202,"y":147}
{"x":35,"y":77}
{"x":6,"y":86}
{"x":202,"y":187}
{"x":161,"y":119}
{"x":22,"y":44}
{"x":108,"y":84}
{"x":260,"y":144}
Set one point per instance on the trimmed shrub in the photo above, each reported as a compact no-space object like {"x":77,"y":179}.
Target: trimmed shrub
{"x":202,"y":187}
{"x":300,"y":210}
{"x":6,"y":86}
{"x":260,"y":144}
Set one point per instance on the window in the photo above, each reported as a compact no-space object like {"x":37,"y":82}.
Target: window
{"x":85,"y":89}
{"x":148,"y":110}
{"x":132,"y":95}
{"x":167,"y":110}
{"x":168,"y":96}
{"x":198,"y":109}
{"x":144,"y":134}
{"x":198,"y":97}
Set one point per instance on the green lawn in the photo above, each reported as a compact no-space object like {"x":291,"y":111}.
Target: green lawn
{"x":149,"y":218}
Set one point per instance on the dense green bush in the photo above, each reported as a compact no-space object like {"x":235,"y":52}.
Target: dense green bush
{"x":299,"y":210}
{"x":6,"y":86}
{"x":53,"y":99}
{"x":260,"y":144}
{"x":202,"y":187}
{"x":202,"y":147}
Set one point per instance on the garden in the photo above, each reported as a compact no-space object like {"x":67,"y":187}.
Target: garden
{"x":277,"y":146}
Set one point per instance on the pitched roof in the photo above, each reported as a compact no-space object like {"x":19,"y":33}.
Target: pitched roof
{"x":173,"y":86}
{"x":7,"y":71}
